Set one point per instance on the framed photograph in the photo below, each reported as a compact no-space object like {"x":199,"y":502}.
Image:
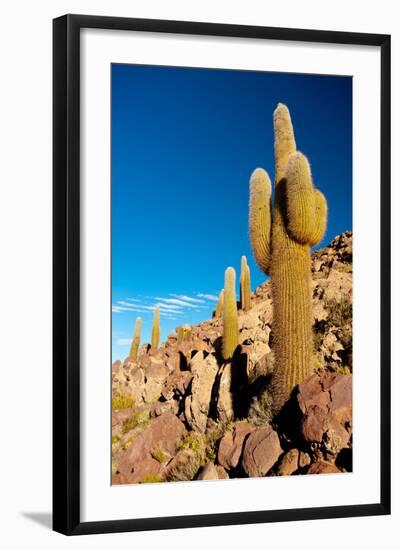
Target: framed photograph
{"x":221,"y":274}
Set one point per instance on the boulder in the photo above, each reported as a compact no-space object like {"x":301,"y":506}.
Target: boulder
{"x":322,"y":467}
{"x":129,"y":380}
{"x":261,"y":451}
{"x":197,"y":404}
{"x":211,"y":471}
{"x":325,"y":400}
{"x":304,"y":459}
{"x":183,"y":467}
{"x":164,"y":434}
{"x":231,"y":445}
{"x":119,"y":416}
{"x":155,"y":375}
{"x":161,"y":407}
{"x":289,"y":463}
{"x":176,"y":385}
{"x":116,"y":366}
{"x":225,"y":399}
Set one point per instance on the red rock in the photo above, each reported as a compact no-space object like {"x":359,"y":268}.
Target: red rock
{"x":261,"y":451}
{"x":162,"y":407}
{"x":304,"y":459}
{"x":326,"y":403}
{"x":289,"y":463}
{"x":231,"y":445}
{"x":177,"y":383}
{"x":212,"y":472}
{"x":183,"y":467}
{"x":163,"y":434}
{"x":119,"y":416}
{"x":116,"y":366}
{"x":341,"y":399}
{"x":322,"y":467}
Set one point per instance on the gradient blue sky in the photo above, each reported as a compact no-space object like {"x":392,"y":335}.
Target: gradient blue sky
{"x":184,"y":143}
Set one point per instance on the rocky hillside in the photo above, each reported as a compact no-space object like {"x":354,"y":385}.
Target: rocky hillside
{"x":181,"y":413}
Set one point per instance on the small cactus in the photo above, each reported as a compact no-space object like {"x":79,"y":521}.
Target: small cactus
{"x":184,"y":334}
{"x":245,"y":285}
{"x":230,"y":317}
{"x":155,"y":333}
{"x":136,"y":340}
{"x":180,"y":333}
{"x":220,"y":305}
{"x":187,"y":333}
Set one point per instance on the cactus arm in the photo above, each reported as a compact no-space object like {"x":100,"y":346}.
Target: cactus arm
{"x":230,"y":338}
{"x":300,"y":199}
{"x":320,"y":219}
{"x":284,"y":142}
{"x":260,"y":218}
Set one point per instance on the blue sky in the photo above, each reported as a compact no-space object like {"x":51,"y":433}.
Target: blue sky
{"x":184,"y":143}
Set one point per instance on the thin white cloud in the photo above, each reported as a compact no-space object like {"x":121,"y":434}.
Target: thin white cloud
{"x":118,"y":309}
{"x":171,"y":307}
{"x":124,"y":341}
{"x":175,"y":301}
{"x":187,"y":298}
{"x":208,"y":297}
{"x":141,"y":307}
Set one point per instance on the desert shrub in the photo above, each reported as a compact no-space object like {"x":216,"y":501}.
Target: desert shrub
{"x":344,"y":268}
{"x":159,"y":455}
{"x":151,"y":478}
{"x":122,"y":401}
{"x":115,"y":439}
{"x":339,"y":311}
{"x":126,"y":443}
{"x":195,"y":442}
{"x":137,"y":419}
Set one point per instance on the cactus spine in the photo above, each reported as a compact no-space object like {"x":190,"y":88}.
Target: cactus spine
{"x":136,"y":339}
{"x":155,"y":332}
{"x":220,"y":305}
{"x":281,"y":247}
{"x":245,"y":286}
{"x":230,"y":316}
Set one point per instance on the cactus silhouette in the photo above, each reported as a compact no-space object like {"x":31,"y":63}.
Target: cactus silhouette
{"x":281,"y":239}
{"x":136,"y":339}
{"x":230,"y":317}
{"x":155,"y":332}
{"x":220,"y":305}
{"x":245,"y":286}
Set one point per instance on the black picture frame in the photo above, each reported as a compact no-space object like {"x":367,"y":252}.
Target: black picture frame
{"x":66,"y":273}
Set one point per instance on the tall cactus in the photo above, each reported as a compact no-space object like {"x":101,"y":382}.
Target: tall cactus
{"x":230,"y":316}
{"x":136,"y":339}
{"x":245,"y":286}
{"x":155,"y":332}
{"x":281,"y":245}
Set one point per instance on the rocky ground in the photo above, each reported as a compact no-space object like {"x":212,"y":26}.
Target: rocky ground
{"x":180,"y":413}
